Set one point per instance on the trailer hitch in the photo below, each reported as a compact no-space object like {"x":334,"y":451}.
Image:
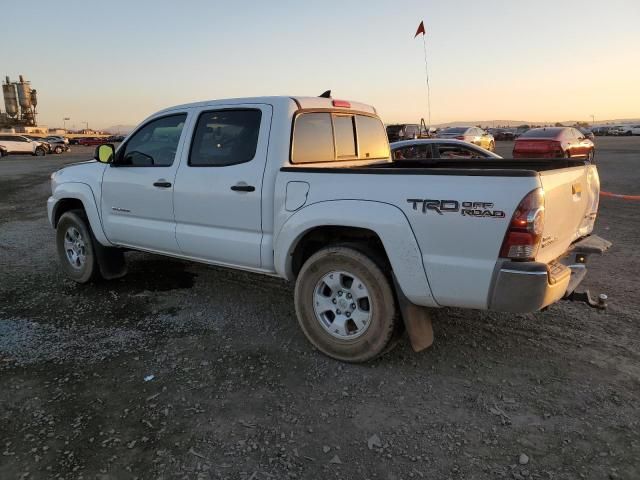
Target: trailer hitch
{"x":600,"y":303}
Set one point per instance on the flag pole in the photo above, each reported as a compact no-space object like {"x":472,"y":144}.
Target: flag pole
{"x":426,"y":70}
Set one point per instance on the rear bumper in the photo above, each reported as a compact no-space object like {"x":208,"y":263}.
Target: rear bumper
{"x":521,"y":287}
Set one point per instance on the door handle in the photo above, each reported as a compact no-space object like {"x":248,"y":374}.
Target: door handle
{"x":243,"y":188}
{"x":162,"y":184}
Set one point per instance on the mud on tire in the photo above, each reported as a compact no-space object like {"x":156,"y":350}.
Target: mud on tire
{"x":371,"y":297}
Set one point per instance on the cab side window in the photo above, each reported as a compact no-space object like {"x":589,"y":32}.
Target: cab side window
{"x":155,"y":144}
{"x":225,"y":137}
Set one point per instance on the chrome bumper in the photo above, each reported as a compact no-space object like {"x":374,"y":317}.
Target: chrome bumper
{"x":522,"y":287}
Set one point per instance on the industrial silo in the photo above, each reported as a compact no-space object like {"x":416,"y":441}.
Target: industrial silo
{"x":10,"y":98}
{"x":24,"y":94}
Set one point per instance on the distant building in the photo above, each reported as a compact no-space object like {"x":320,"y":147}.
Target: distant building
{"x":37,"y":130}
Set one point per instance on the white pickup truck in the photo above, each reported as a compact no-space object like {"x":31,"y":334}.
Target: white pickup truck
{"x":304,"y":188}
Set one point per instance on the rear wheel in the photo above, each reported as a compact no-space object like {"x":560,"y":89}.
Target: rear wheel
{"x":40,"y":152}
{"x":58,"y":149}
{"x":345,"y":304}
{"x":74,"y":242}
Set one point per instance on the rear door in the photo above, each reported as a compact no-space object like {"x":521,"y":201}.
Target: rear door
{"x":218,"y":190}
{"x":571,"y":197}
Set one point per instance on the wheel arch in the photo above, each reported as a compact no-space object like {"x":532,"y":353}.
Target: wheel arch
{"x":383,"y":227}
{"x":72,"y":196}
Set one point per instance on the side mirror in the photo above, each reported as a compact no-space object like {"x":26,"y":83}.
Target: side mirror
{"x":104,"y":153}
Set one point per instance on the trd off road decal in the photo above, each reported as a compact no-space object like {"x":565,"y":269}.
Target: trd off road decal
{"x":466,"y":209}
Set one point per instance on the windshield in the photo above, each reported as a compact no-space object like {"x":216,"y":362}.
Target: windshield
{"x":455,"y":130}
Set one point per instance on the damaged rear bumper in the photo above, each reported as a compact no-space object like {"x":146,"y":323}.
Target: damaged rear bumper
{"x":521,"y":287}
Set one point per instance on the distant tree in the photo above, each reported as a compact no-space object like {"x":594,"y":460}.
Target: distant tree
{"x":582,"y":124}
{"x":558,"y":124}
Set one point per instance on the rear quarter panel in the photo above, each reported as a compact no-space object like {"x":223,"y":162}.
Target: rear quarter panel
{"x":458,"y":252}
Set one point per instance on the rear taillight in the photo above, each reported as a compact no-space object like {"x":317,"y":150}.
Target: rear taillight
{"x":522,"y":240}
{"x":460,"y":137}
{"x":556,"y":149}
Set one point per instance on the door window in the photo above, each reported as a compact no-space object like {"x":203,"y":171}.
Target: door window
{"x":155,"y":144}
{"x":225,"y":137}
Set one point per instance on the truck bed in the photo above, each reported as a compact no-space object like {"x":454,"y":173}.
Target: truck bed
{"x":506,"y":167}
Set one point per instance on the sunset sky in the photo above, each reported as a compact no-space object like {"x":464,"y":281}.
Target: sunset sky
{"x":117,"y":62}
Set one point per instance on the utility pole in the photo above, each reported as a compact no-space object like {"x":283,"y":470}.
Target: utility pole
{"x":64,"y":122}
{"x":593,"y":119}
{"x":86,"y":125}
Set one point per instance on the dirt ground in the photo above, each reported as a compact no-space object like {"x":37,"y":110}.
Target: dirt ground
{"x":186,"y":371}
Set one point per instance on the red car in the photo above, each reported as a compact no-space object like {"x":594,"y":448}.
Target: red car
{"x":554,"y":142}
{"x":92,"y":141}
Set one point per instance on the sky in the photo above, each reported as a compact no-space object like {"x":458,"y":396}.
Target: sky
{"x":116,"y":62}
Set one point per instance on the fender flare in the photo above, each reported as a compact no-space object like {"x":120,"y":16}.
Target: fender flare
{"x":386,"y":220}
{"x":82,"y":192}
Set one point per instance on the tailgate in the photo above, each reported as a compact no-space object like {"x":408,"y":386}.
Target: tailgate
{"x":571,"y":197}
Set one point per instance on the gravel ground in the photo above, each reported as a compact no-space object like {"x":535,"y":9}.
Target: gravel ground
{"x":186,"y":371}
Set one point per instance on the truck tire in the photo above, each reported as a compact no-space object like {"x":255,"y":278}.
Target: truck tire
{"x":74,"y":242}
{"x":345,"y":304}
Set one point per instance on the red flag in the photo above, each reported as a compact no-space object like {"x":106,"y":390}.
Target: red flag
{"x":421,"y":30}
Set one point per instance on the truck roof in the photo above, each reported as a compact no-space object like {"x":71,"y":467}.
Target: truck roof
{"x":301,"y":103}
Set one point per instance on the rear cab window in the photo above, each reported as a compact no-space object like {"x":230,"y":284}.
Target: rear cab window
{"x":320,"y":137}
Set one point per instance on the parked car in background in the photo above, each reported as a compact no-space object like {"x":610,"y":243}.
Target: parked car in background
{"x":600,"y":131}
{"x":58,"y":144}
{"x":635,"y":130}
{"x":438,"y":149}
{"x":19,"y":144}
{"x":502,"y":133}
{"x":115,"y":138}
{"x":57,"y":138}
{"x":474,"y":135}
{"x":403,"y":131}
{"x":41,"y":141}
{"x":587,"y":133}
{"x":520,"y":130}
{"x":554,"y":142}
{"x":621,"y":131}
{"x":88,"y":141}
{"x":3,"y":151}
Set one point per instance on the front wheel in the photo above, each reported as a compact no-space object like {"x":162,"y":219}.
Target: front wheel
{"x":58,"y":150}
{"x":39,"y":152}
{"x":345,"y":304}
{"x":74,"y":243}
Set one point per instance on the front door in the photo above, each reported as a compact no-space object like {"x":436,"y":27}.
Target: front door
{"x":137,"y":188}
{"x":218,"y":190}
